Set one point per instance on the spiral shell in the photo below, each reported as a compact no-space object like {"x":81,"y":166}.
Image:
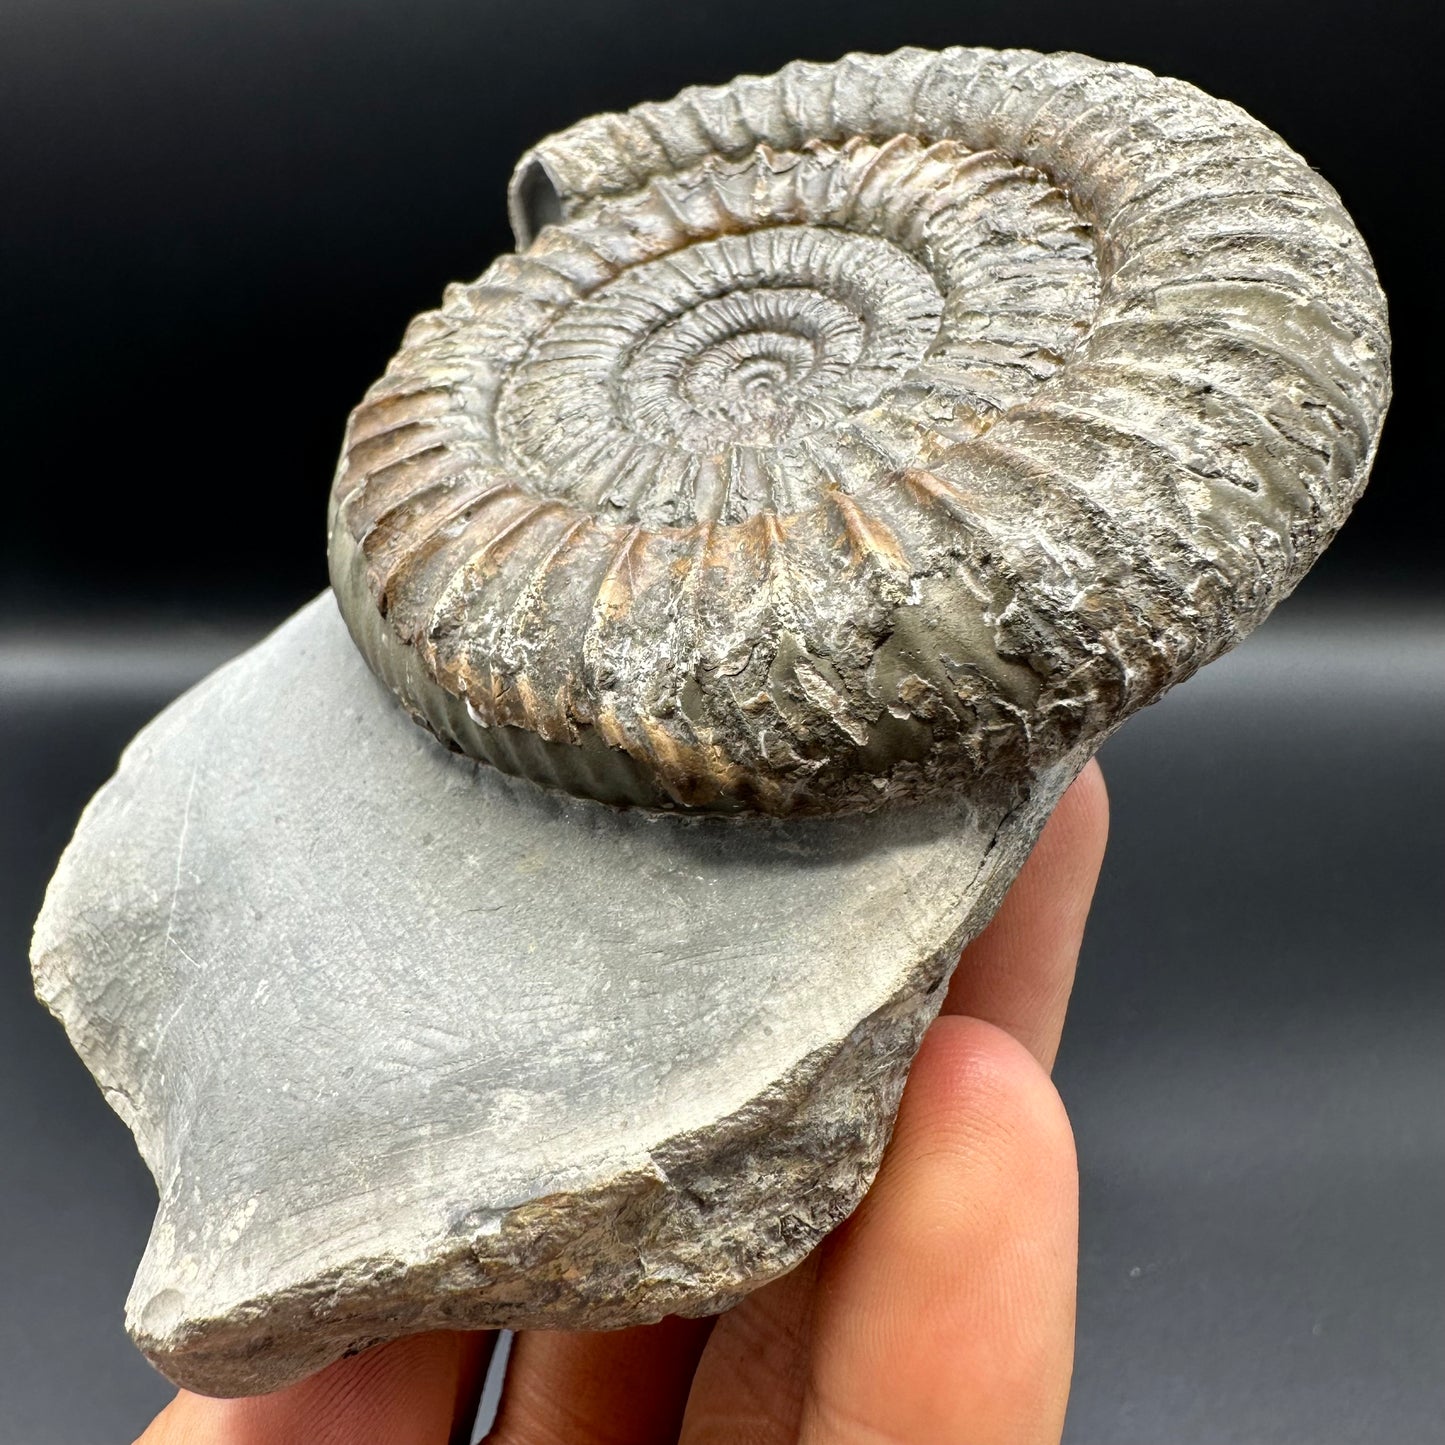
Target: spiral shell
{"x":868,"y":428}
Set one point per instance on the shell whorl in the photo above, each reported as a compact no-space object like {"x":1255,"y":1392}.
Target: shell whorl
{"x":859,"y":430}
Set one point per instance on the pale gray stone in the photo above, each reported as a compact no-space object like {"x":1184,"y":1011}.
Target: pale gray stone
{"x":408,"y":1043}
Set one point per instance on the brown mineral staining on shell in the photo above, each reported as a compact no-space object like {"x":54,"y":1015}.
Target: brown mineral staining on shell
{"x":861,"y":431}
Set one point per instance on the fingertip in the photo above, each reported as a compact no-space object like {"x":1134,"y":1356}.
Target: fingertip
{"x":1083,"y":815}
{"x":978,"y":1110}
{"x":968,"y":1067}
{"x":1019,"y":972}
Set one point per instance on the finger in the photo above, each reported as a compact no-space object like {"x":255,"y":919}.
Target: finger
{"x":1019,"y":972}
{"x":749,"y":1384}
{"x":413,"y":1391}
{"x":618,"y":1387}
{"x":945,"y":1306}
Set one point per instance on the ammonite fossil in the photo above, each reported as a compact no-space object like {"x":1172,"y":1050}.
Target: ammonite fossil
{"x":861,"y":430}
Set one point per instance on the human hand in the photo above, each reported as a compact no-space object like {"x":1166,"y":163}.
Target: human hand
{"x":942,"y":1311}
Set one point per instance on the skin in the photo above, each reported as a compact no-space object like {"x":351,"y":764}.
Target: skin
{"x":942,"y":1311}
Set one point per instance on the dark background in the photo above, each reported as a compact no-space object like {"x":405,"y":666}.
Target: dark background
{"x":220,"y":214}
{"x":218,"y":217}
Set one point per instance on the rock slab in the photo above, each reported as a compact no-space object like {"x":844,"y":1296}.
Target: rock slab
{"x":409,"y":1044}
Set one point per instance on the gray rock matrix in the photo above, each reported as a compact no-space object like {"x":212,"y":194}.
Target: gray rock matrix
{"x":409,"y":1044}
{"x":841,"y":457}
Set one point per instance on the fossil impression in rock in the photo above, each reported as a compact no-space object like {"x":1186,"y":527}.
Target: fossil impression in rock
{"x":846,"y":451}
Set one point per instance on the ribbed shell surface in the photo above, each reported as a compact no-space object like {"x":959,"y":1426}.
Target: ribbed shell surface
{"x":860,"y":430}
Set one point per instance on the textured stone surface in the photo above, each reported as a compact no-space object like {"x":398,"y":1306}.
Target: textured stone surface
{"x":407,"y":1043}
{"x":859,"y":430}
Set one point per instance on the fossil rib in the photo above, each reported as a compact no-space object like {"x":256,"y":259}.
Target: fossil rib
{"x":861,"y":430}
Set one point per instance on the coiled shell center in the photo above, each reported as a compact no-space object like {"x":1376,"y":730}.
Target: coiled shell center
{"x":748,"y":340}
{"x":716,"y":376}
